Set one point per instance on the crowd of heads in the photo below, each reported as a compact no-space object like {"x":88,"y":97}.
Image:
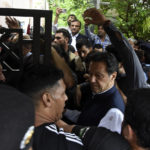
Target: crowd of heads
{"x":45,"y":85}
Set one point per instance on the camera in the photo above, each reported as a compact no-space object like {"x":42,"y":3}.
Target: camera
{"x":64,"y":10}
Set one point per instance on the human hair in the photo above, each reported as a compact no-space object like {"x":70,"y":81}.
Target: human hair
{"x":97,"y":46}
{"x":61,"y":52}
{"x":100,"y":26}
{"x":112,"y":49}
{"x":137,"y":115}
{"x":38,"y":79}
{"x":76,"y":20}
{"x":89,"y":57}
{"x":73,"y":16}
{"x":65,"y":33}
{"x":108,"y":58}
{"x":140,"y":54}
{"x":83,"y":42}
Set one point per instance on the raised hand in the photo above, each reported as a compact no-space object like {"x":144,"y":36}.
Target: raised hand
{"x":93,"y":16}
{"x":12,"y":22}
{"x":58,"y":11}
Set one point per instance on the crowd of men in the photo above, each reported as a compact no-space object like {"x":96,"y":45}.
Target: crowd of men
{"x":93,"y":95}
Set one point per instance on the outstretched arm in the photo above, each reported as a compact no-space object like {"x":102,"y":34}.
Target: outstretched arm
{"x":91,"y":36}
{"x":58,"y":12}
{"x":55,"y":26}
{"x":134,"y":72}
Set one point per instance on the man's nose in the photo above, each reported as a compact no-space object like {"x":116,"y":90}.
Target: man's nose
{"x":55,"y":40}
{"x":82,"y":55}
{"x":2,"y":77}
{"x":66,"y":97}
{"x":92,"y":78}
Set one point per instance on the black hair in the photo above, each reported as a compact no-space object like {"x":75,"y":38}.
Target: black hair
{"x":108,"y":58}
{"x":99,"y":25}
{"x":38,"y":78}
{"x":112,"y":49}
{"x":65,"y":33}
{"x":61,"y":52}
{"x":137,"y":115}
{"x":83,"y":42}
{"x":97,"y":46}
{"x":140,"y":54}
{"x":73,"y":16}
{"x":88,"y":58}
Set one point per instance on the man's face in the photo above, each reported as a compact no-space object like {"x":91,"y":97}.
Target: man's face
{"x":60,"y":39}
{"x":83,"y":51}
{"x":71,"y":18}
{"x":59,"y":98}
{"x":101,"y":31}
{"x":99,"y":78}
{"x":75,"y":27}
{"x":2,"y":77}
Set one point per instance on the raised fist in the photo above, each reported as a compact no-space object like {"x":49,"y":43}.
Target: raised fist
{"x":93,"y":16}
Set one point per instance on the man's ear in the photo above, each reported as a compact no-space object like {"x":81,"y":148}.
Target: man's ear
{"x":67,"y":39}
{"x":113,"y":75}
{"x":128,"y":133}
{"x":47,"y":99}
{"x":90,"y":49}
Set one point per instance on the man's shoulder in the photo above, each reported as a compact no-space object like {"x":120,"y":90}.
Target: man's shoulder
{"x":50,"y":132}
{"x":101,"y":138}
{"x":117,"y":100}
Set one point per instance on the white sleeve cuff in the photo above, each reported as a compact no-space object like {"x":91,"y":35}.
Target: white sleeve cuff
{"x":112,"y":120}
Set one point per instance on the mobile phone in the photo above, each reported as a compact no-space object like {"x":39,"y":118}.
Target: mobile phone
{"x":64,"y":10}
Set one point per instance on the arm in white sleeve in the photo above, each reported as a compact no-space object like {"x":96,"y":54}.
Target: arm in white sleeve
{"x":112,"y":120}
{"x":54,"y":28}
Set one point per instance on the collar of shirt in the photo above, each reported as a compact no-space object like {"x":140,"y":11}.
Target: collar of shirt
{"x":74,"y":36}
{"x":105,"y":43}
{"x":107,"y":38}
{"x":102,"y":92}
{"x":73,"y":43}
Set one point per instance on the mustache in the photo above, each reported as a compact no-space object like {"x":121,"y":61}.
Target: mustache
{"x":93,"y":84}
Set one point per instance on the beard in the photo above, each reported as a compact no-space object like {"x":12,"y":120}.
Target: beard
{"x":62,"y":46}
{"x":95,"y":88}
